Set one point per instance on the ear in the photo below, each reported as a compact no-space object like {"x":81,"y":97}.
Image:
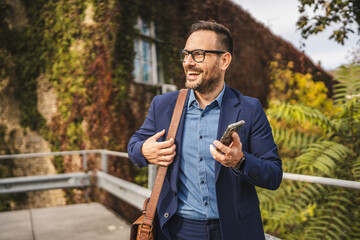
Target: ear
{"x":225,"y":61}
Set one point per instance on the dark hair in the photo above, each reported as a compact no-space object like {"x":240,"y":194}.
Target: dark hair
{"x":222,"y":32}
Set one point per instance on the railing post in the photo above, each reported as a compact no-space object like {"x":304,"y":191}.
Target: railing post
{"x":84,"y":161}
{"x":86,"y":190}
{"x":104,"y":163}
{"x":152,"y":170}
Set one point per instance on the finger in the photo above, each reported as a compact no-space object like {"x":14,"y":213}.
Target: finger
{"x":165,"y":164}
{"x":166,"y":160}
{"x":158,"y":135}
{"x":236,"y":139}
{"x":221,"y":147}
{"x":167,"y":151}
{"x":161,"y":162}
{"x":169,"y":158}
{"x":216,"y":155}
{"x":221,"y":158}
{"x":166,"y":144}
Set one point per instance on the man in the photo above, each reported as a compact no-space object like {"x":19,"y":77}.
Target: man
{"x":209,"y":194}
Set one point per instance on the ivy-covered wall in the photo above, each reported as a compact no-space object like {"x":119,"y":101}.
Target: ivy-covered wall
{"x":85,"y":50}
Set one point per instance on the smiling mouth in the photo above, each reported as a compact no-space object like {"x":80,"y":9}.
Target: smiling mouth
{"x":193,"y":74}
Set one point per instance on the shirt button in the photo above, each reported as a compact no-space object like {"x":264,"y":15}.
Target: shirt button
{"x":166,"y":215}
{"x":200,"y":137}
{"x":206,"y":203}
{"x":202,"y":115}
{"x":202,"y":182}
{"x":201,"y":159}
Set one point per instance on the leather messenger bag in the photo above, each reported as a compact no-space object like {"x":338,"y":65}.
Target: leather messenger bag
{"x":143,"y":228}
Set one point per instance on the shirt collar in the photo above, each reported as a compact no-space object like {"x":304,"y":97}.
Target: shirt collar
{"x":192,"y":99}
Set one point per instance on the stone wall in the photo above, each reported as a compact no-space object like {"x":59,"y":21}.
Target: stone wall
{"x":20,"y":140}
{"x":23,"y":140}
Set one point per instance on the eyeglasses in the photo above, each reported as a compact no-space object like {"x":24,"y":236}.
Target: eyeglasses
{"x":198,"y":55}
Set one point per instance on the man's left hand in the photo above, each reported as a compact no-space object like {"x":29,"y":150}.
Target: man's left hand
{"x":231,"y":155}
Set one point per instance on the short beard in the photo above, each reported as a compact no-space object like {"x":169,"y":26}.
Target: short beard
{"x":206,"y":85}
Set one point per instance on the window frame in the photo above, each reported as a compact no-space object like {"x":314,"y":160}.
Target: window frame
{"x":149,"y":37}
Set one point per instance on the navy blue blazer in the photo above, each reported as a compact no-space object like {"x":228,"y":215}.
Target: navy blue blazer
{"x":237,"y":200}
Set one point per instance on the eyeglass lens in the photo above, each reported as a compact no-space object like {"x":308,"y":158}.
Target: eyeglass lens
{"x":197,"y":56}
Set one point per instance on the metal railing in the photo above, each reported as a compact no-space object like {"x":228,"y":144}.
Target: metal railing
{"x":152,"y":169}
{"x":127,"y":191}
{"x":46,"y":182}
{"x":104,"y":154}
{"x":124,"y":190}
{"x":322,"y":180}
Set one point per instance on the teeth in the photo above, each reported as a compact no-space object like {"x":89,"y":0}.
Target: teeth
{"x":190,"y":72}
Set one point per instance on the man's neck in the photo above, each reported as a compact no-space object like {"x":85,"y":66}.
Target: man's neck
{"x":205,"y":99}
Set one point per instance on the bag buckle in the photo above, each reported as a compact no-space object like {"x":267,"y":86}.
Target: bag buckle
{"x":151,"y":227}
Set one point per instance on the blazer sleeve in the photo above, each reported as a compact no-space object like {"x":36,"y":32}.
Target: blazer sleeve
{"x":147,"y":130}
{"x":263,"y":165}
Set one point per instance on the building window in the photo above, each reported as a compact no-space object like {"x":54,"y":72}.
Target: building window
{"x":146,"y":62}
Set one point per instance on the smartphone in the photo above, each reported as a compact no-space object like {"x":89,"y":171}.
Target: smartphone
{"x":226,"y":138}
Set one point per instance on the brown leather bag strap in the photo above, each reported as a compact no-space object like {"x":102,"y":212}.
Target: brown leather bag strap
{"x":151,"y":207}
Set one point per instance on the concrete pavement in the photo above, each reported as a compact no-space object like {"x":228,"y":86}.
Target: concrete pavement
{"x":88,"y":221}
{"x":72,"y":222}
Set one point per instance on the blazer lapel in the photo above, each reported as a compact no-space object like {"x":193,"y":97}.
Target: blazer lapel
{"x":229,"y":113}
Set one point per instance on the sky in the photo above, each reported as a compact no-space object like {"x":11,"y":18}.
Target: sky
{"x":280,"y":17}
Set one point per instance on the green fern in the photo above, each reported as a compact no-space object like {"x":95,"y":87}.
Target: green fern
{"x":348,"y":86}
{"x":294,"y":140}
{"x":301,"y":114}
{"x":332,"y":217}
{"x":356,"y":169}
{"x":323,"y":157}
{"x":315,"y":143}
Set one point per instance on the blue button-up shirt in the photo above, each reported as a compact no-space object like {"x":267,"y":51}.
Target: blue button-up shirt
{"x":196,"y":194}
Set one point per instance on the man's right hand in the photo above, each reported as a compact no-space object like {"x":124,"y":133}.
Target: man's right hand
{"x":159,"y":153}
